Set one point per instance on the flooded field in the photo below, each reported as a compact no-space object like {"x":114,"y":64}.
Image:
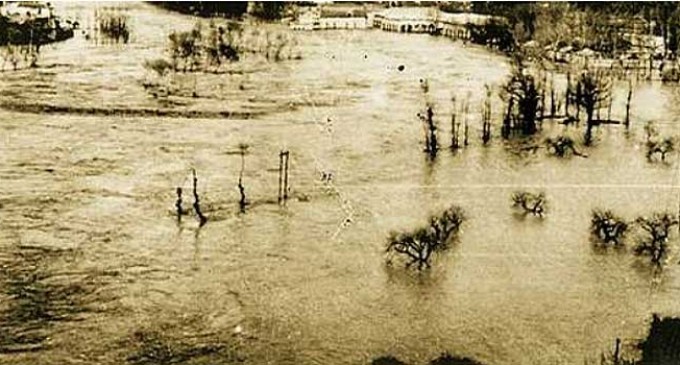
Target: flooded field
{"x":96,"y":269}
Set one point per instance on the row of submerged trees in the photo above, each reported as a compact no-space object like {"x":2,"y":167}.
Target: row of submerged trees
{"x":244,"y":202}
{"x":530,"y":97}
{"x":650,"y":234}
{"x":651,"y":239}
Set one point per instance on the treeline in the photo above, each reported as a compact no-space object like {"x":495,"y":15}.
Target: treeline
{"x":596,"y":25}
{"x":32,"y":32}
{"x":265,"y":10}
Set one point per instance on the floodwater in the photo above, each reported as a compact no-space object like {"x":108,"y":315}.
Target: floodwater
{"x":96,"y":269}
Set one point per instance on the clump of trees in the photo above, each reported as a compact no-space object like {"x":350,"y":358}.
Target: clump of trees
{"x":112,"y":25}
{"x":530,"y":203}
{"x":418,"y":246}
{"x":265,"y":10}
{"x":211,"y":48}
{"x":523,"y":97}
{"x":206,"y":49}
{"x":659,"y":347}
{"x":496,"y":33}
{"x":607,"y":227}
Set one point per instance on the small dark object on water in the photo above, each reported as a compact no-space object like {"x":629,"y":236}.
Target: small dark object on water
{"x":401,"y":68}
{"x":387,"y":360}
{"x":448,"y":359}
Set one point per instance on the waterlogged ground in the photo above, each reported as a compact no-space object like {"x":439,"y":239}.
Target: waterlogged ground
{"x":95,"y":268}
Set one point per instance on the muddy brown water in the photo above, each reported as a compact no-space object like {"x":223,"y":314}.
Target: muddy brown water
{"x":97,"y":270}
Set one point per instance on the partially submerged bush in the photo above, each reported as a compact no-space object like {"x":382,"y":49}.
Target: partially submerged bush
{"x":387,"y":360}
{"x":160,"y":66}
{"x":562,"y":146}
{"x":657,"y":231}
{"x":607,"y":227}
{"x":417,"y":246}
{"x":660,"y":147}
{"x":529,"y":202}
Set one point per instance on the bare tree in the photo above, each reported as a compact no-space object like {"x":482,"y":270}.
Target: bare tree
{"x":592,"y":91}
{"x":243,"y":148}
{"x":419,"y":245}
{"x":523,"y":95}
{"x":607,"y":227}
{"x":657,"y":229}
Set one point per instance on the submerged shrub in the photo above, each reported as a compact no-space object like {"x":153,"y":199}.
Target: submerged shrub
{"x":529,"y":202}
{"x":660,"y":147}
{"x":607,"y":227}
{"x":387,"y":360}
{"x":562,"y":146}
{"x":418,"y":246}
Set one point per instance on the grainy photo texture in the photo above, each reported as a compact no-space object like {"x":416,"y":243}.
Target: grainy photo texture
{"x":372,"y":183}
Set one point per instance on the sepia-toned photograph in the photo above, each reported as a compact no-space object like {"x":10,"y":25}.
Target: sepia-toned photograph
{"x":339,"y":183}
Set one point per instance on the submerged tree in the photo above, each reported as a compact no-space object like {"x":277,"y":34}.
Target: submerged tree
{"x":429,"y":124}
{"x":431,"y":143}
{"x":486,"y":116}
{"x":202,"y":219}
{"x":591,"y":91}
{"x":418,"y":246}
{"x":242,"y":203}
{"x":523,"y":95}
{"x":607,"y":227}
{"x":529,"y":202}
{"x":657,"y":229}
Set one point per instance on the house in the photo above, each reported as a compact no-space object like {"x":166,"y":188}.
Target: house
{"x":406,"y":19}
{"x":23,"y":11}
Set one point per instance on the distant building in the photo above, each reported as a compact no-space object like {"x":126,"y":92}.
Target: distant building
{"x":428,"y":20}
{"x":404,"y":19}
{"x":22,"y":11}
